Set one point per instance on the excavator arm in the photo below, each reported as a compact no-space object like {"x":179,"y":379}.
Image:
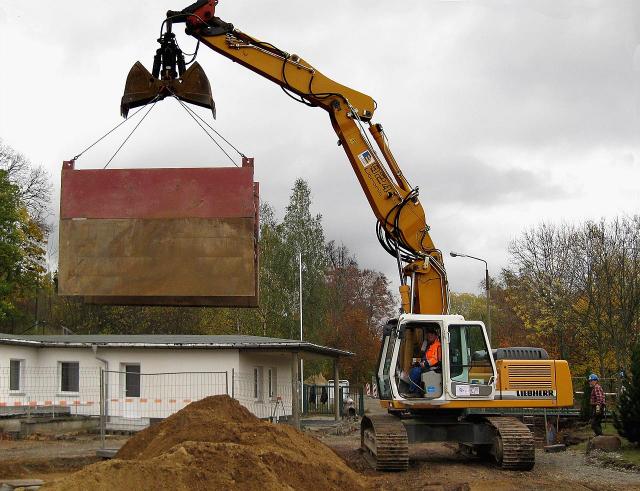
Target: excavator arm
{"x":402,"y":227}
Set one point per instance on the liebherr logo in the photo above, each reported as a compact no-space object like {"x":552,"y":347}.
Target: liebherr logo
{"x":535,"y":393}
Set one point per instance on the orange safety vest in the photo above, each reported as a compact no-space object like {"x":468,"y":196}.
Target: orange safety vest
{"x":434,"y":353}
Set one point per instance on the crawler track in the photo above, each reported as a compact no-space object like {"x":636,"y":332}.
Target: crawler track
{"x":513,"y":447}
{"x":384,"y":442}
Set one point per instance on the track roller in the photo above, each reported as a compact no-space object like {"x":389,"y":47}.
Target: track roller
{"x":513,"y":445}
{"x":384,"y":442}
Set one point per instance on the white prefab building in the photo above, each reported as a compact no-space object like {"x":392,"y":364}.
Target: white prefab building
{"x":132,"y":380}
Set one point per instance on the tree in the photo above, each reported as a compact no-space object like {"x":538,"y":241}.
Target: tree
{"x":359,"y":301}
{"x":10,"y":242}
{"x":545,"y":260}
{"x":626,"y":418}
{"x":585,"y":402}
{"x":34,"y":187}
{"x":613,"y":289}
{"x":303,"y":233}
{"x":508,"y":327}
{"x":469,"y":305}
{"x":24,"y":197}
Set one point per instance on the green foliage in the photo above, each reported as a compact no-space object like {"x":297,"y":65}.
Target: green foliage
{"x":469,"y":305}
{"x":303,"y":234}
{"x":626,"y":418}
{"x":10,"y":242}
{"x":585,"y":402}
{"x":24,"y":198}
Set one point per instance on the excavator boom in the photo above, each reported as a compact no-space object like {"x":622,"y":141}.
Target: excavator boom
{"x":402,"y":227}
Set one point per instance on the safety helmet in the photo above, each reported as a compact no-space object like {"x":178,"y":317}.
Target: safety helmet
{"x":593,"y":377}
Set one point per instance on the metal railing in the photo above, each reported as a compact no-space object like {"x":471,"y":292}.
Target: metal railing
{"x":319,"y":399}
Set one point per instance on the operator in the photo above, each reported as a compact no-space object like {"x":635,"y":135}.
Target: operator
{"x":430,"y":360}
{"x":597,"y":404}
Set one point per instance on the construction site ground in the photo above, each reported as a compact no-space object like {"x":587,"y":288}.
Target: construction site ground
{"x":432,"y":466}
{"x":49,"y":458}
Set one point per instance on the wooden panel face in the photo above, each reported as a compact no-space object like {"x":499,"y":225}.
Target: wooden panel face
{"x":158,"y":237}
{"x":192,"y":257}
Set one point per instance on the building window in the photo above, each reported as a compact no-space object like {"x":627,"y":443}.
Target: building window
{"x":257,"y":383}
{"x":69,"y":376}
{"x":131,"y":380}
{"x":272,"y":381}
{"x":15,"y":375}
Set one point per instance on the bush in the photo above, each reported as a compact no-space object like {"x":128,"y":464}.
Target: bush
{"x":626,"y":418}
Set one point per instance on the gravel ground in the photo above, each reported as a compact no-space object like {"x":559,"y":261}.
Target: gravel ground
{"x":440,"y":466}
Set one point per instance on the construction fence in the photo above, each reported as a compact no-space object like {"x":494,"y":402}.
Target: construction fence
{"x":130,"y":400}
{"x":320,"y":400}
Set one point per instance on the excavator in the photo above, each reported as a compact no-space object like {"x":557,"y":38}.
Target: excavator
{"x":467,"y":396}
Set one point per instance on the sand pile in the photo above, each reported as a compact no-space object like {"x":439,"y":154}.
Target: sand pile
{"x":216,"y":443}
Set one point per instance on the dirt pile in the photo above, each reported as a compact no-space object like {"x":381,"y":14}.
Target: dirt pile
{"x":216,"y":443}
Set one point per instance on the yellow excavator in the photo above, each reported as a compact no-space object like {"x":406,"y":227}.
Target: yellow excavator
{"x":463,"y":395}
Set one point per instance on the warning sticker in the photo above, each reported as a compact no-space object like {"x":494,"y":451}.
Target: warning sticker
{"x":463,"y":391}
{"x":367,"y":158}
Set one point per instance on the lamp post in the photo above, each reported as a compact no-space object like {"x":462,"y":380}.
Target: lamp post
{"x":300,"y":305}
{"x":486,"y":285}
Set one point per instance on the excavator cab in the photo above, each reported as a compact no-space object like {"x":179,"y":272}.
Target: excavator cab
{"x":466,"y":370}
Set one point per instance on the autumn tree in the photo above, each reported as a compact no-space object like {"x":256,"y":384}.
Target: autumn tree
{"x":24,"y":196}
{"x":577,"y":290}
{"x":469,"y":305}
{"x":32,"y":182}
{"x":360,"y":301}
{"x":545,"y":283}
{"x":10,"y":240}
{"x":611,"y":285}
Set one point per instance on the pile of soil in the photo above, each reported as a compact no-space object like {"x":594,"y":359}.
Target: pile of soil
{"x":216,"y":443}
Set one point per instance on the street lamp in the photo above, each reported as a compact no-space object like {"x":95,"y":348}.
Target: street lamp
{"x":300,"y":307}
{"x":486,"y":285}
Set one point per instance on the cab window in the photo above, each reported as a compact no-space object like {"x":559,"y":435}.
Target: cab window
{"x":469,"y":360}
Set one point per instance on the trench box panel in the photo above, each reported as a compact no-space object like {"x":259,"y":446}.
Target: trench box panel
{"x":184,"y":237}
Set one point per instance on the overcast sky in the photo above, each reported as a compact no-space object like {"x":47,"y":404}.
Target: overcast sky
{"x":505,"y":113}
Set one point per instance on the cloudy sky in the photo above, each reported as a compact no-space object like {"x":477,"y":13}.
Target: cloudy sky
{"x":505,"y":113}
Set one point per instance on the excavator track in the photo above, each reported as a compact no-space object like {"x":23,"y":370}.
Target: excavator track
{"x":513,"y":447}
{"x":384,"y":442}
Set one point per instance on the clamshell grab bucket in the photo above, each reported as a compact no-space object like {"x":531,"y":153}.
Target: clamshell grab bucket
{"x":142,"y":87}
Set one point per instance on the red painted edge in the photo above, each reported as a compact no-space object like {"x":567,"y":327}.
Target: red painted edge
{"x":224,"y":192}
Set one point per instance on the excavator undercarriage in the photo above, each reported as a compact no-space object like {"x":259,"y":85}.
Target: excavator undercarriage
{"x":385,"y":438}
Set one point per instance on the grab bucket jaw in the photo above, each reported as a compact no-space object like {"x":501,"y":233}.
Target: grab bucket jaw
{"x":142,"y":87}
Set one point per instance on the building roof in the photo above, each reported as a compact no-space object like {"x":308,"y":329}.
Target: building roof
{"x":188,"y":341}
